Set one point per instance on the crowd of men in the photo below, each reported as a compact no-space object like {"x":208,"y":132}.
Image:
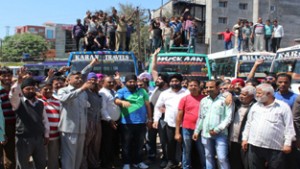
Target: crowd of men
{"x":100,"y":31}
{"x":251,"y":37}
{"x":84,"y":120}
{"x":175,"y":31}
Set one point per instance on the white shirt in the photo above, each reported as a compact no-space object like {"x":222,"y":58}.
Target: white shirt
{"x":236,"y":124}
{"x":170,"y":100}
{"x":278,"y":31}
{"x":110,"y":111}
{"x":15,"y":96}
{"x":270,"y":126}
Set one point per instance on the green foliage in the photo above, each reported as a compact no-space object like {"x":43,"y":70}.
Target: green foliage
{"x":15,"y":46}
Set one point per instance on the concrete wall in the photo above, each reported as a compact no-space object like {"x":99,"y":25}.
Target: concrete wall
{"x":167,"y":9}
{"x":60,"y":42}
{"x":232,"y":12}
{"x":201,"y":2}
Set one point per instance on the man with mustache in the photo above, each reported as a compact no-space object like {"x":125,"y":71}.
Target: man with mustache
{"x":188,"y":112}
{"x":213,"y":122}
{"x":73,"y":121}
{"x":32,"y":125}
{"x":169,"y":99}
{"x":110,"y":114}
{"x":52,"y":107}
{"x":238,"y":158}
{"x":91,"y":153}
{"x":269,"y":130}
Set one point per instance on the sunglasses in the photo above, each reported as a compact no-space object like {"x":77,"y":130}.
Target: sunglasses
{"x":269,"y":78}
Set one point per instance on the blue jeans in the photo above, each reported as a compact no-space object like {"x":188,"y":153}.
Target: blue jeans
{"x":156,"y":43}
{"x":187,"y":135}
{"x":240,"y":41}
{"x":218,"y":144}
{"x":228,"y":45}
{"x":192,"y":42}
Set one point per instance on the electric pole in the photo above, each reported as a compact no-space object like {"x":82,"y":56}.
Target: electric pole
{"x":7,"y":30}
{"x":138,"y":29}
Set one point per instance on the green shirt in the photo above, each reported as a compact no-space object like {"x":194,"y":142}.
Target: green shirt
{"x":214,"y":115}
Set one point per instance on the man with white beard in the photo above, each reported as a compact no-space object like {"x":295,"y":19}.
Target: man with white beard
{"x":269,"y":130}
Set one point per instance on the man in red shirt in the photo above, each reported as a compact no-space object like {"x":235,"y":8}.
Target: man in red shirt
{"x":188,"y":112}
{"x":227,"y":38}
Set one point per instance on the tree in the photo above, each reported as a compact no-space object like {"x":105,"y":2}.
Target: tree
{"x":15,"y":46}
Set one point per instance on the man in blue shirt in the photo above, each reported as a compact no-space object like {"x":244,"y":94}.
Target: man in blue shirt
{"x":283,"y":93}
{"x":135,"y":109}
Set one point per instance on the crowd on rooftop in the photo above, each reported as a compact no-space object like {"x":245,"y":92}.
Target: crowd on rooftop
{"x":100,"y":31}
{"x":251,"y":37}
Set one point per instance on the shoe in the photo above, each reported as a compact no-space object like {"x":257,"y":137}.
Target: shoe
{"x":141,"y":165}
{"x":108,"y":167}
{"x":170,"y":165}
{"x":126,"y":166}
{"x":150,"y":161}
{"x":163,"y":164}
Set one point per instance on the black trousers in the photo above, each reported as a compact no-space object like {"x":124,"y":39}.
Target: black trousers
{"x":127,"y":43}
{"x":31,"y":146}
{"x":133,"y":136}
{"x":77,"y":40}
{"x":293,"y":159}
{"x":237,"y":157}
{"x":173,"y":148}
{"x":259,"y":157}
{"x":109,"y":145}
{"x":276,"y":44}
{"x":112,"y":40}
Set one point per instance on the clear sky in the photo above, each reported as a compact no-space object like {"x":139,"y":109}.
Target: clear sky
{"x":36,"y":12}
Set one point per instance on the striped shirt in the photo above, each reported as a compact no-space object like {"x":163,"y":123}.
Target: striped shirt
{"x":270,"y":126}
{"x":215,"y":115}
{"x":52,"y":107}
{"x":9,"y":114}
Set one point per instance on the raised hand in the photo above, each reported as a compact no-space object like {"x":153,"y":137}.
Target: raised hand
{"x":94,"y":62}
{"x":51,"y":73}
{"x":87,"y":85}
{"x":259,"y":62}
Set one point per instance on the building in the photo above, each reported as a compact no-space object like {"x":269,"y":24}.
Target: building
{"x":37,"y":30}
{"x":220,"y":14}
{"x":59,"y":37}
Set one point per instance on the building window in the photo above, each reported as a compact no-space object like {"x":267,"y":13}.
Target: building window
{"x":220,"y":37}
{"x":41,"y":30}
{"x":222,"y":20}
{"x":272,"y":8}
{"x":223,"y":4}
{"x":243,"y":6}
{"x":31,"y":30}
{"x":50,"y":34}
